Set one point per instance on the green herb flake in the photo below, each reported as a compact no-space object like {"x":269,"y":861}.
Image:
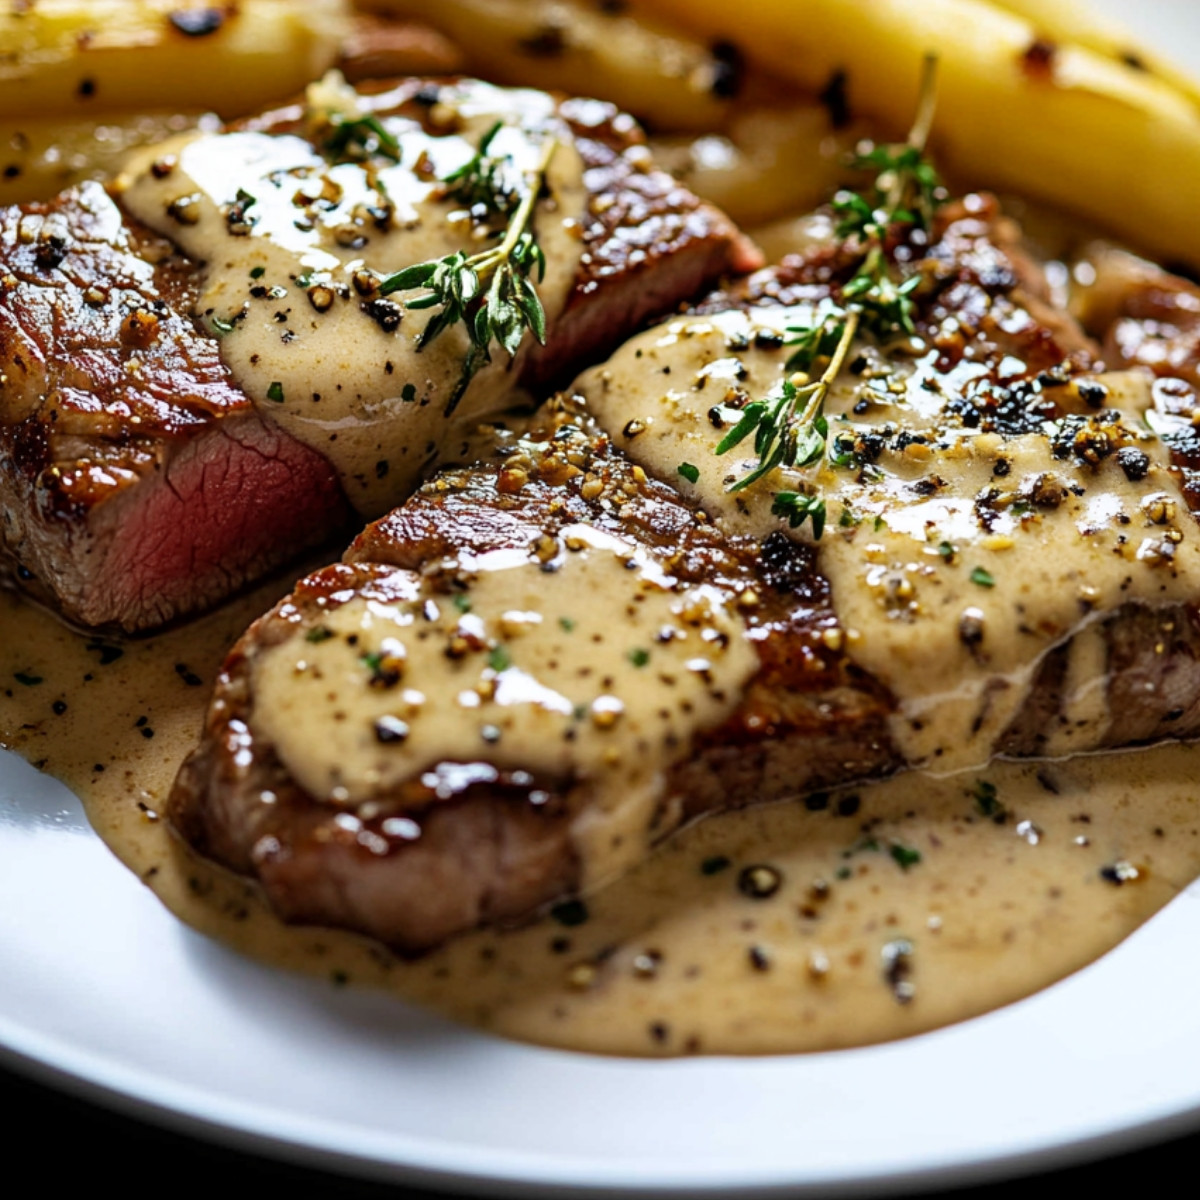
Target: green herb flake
{"x":983,"y":578}
{"x":987,"y":800}
{"x":462,"y":602}
{"x":690,"y":472}
{"x":408,"y":393}
{"x":567,"y":624}
{"x":639,"y":657}
{"x":275,"y":392}
{"x":257,"y":272}
{"x":319,"y":633}
{"x":499,"y":659}
{"x":25,"y":679}
{"x":715,"y":864}
{"x":946,"y":550}
{"x":905,"y":856}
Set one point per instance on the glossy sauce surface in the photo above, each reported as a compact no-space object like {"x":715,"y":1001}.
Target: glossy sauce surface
{"x":867,"y":914}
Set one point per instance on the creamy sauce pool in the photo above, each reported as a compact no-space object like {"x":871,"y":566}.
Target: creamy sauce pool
{"x":867,"y":914}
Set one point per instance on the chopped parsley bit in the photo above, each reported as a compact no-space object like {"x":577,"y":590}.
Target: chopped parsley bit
{"x":27,"y":680}
{"x":318,"y":634}
{"x":639,"y":657}
{"x":946,"y":550}
{"x":690,"y":472}
{"x":905,"y":856}
{"x":983,"y":578}
{"x":843,"y":873}
{"x":257,"y":272}
{"x":987,"y":800}
{"x":498,"y":659}
{"x":567,"y":624}
{"x":879,"y":524}
{"x":221,"y":327}
{"x":275,"y":392}
{"x":570,"y":913}
{"x":306,"y":280}
{"x":462,"y":602}
{"x":711,"y":866}
{"x":848,"y":517}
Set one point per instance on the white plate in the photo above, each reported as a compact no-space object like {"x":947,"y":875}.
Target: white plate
{"x":104,"y":991}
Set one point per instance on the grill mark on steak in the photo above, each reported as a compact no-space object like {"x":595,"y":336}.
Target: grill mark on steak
{"x":137,"y":482}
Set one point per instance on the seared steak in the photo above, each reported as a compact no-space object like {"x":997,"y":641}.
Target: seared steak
{"x":484,"y":835}
{"x":137,"y":481}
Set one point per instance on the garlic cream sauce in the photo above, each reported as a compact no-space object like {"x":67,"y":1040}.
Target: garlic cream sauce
{"x":293,"y":246}
{"x":862,"y":915}
{"x":599,"y":673}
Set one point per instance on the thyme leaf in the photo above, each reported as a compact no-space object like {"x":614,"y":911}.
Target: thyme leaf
{"x":492,"y":293}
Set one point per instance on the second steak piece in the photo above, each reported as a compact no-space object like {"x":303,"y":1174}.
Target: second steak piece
{"x":141,"y":480}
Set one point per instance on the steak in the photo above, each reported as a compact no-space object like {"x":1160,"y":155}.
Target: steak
{"x":138,"y":482}
{"x":483,"y":837}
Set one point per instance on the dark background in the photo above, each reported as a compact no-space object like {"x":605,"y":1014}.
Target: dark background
{"x":70,"y":1142}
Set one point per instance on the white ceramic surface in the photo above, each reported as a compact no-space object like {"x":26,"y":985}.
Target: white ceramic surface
{"x":104,"y":992}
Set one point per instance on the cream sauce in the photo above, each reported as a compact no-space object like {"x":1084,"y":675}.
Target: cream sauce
{"x":378,"y":693}
{"x":858,"y":941}
{"x":289,"y":243}
{"x":957,"y":561}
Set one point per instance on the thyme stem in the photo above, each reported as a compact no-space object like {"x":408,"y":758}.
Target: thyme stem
{"x":490,"y":293}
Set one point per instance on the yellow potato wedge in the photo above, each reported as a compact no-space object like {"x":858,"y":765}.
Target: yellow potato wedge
{"x":1079,"y":23}
{"x":770,"y":163}
{"x":74,"y":58}
{"x":1074,"y":129}
{"x":40,"y":158}
{"x":670,"y":81}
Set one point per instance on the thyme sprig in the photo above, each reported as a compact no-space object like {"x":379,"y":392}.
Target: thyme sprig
{"x":491,"y":293}
{"x":358,"y":138}
{"x":789,"y":426}
{"x":340,"y":127}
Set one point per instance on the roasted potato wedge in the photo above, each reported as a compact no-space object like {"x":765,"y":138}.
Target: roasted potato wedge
{"x":1080,"y":24}
{"x":771,"y":162}
{"x":40,"y":158}
{"x":1068,"y":127}
{"x":75,"y":58}
{"x":668,"y":80}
